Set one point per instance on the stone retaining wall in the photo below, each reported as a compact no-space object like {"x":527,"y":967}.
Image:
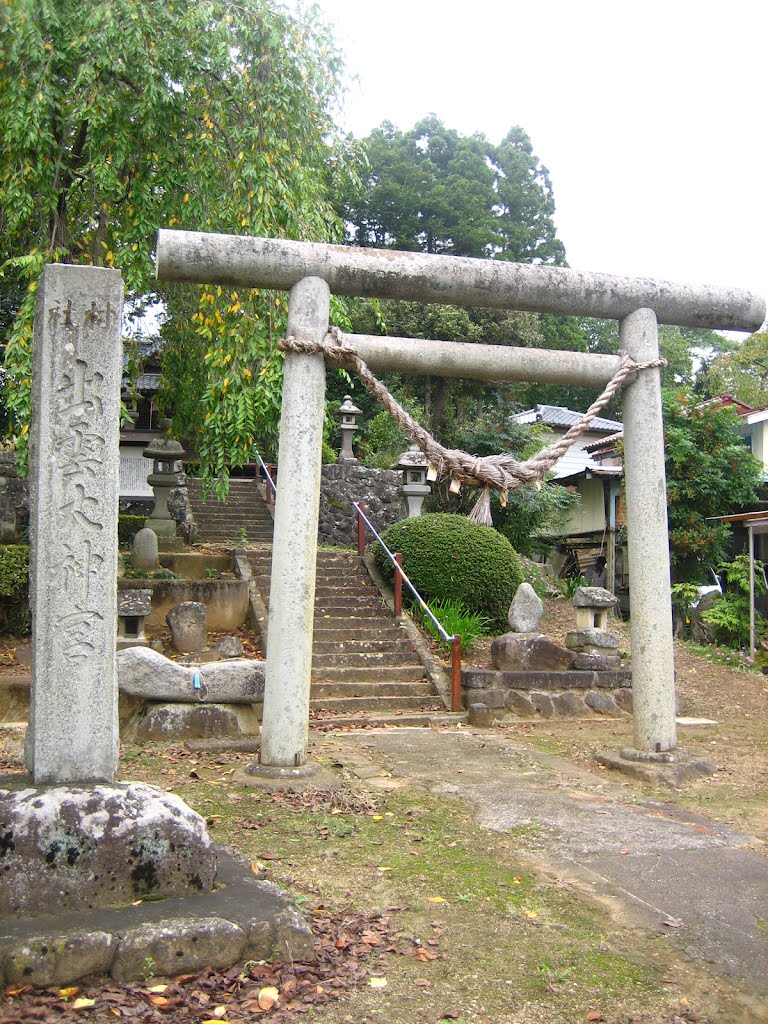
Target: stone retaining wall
{"x":492,"y":696}
{"x":347,"y":481}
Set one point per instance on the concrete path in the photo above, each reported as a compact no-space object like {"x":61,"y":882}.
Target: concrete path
{"x":704,"y":885}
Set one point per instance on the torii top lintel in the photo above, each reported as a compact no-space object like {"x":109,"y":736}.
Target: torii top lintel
{"x":244,"y":261}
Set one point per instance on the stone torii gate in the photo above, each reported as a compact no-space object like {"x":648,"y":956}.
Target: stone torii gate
{"x":311,"y":272}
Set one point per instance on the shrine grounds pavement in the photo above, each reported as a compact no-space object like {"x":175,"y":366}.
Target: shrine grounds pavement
{"x":702,"y":884}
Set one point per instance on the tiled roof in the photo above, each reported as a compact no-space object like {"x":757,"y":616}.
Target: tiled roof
{"x":557,"y":416}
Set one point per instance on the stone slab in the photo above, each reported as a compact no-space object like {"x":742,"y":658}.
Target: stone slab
{"x":526,"y":610}
{"x":134,"y":602}
{"x":61,"y":948}
{"x":594,"y":597}
{"x":142,"y":672}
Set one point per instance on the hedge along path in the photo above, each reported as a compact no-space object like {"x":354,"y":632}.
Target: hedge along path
{"x":501,"y":472}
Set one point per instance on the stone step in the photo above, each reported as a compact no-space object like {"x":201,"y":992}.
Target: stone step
{"x":366,"y":631}
{"x":326,"y":721}
{"x":363,"y":659}
{"x":342,"y":705}
{"x":355,"y":646}
{"x":369,"y":676}
{"x":402,"y":688}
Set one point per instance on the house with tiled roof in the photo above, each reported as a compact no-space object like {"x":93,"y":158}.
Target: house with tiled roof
{"x":592,"y":469}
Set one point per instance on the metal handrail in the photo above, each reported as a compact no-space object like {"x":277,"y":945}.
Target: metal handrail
{"x":454,"y":640}
{"x":267,"y":475}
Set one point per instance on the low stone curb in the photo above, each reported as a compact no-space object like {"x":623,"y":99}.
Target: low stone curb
{"x":243,"y":918}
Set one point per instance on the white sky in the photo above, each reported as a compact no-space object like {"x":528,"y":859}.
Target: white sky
{"x":650,"y":116}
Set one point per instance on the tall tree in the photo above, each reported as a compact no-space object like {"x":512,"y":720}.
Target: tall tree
{"x":709,"y":473}
{"x":119,"y":118}
{"x":742,"y":372}
{"x":433,"y":190}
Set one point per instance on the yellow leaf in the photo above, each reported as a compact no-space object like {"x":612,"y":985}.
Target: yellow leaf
{"x":158,"y":1001}
{"x":24,"y":429}
{"x":375,"y":817}
{"x":186,"y":198}
{"x":267,"y":997}
{"x":531,"y":914}
{"x":220,"y":1011}
{"x":435,"y":899}
{"x":157,"y":989}
{"x":83,"y":1004}
{"x":67,"y":993}
{"x":377,"y":982}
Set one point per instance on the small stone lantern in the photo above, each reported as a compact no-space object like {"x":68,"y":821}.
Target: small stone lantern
{"x":167,"y":473}
{"x":413,"y":465}
{"x":348,"y":414}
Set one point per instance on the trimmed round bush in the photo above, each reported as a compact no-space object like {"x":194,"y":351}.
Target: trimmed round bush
{"x":447,"y":557}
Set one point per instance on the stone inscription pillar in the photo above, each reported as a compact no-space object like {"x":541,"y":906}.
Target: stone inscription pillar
{"x":294,"y":548}
{"x":653,"y":670}
{"x":73,"y":480}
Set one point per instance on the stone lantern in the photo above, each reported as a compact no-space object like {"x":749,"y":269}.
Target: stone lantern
{"x":413,"y":465}
{"x":167,"y":473}
{"x":348,"y":414}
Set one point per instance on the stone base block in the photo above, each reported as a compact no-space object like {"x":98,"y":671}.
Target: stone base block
{"x":242,"y":919}
{"x":672,"y":769}
{"x":99,"y":846}
{"x":194,"y":721}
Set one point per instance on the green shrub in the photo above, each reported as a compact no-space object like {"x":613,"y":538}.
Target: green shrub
{"x":455,"y":618}
{"x":127,"y":528}
{"x":14,"y":577}
{"x":447,"y":557}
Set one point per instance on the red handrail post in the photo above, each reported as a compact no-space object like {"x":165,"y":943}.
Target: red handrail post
{"x":398,"y":585}
{"x":360,"y":529}
{"x":456,"y":673}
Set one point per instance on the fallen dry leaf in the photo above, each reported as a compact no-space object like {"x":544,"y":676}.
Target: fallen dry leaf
{"x":268,"y":996}
{"x":594,"y":1015}
{"x":83,"y":1004}
{"x":377,"y":982}
{"x":67,"y":993}
{"x":436,"y":899}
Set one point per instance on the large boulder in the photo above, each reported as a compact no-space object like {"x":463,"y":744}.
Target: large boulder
{"x":526,"y":611}
{"x":76,"y":848}
{"x":515,"y":653}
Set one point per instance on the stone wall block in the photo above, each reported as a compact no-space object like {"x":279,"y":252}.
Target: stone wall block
{"x":179,"y":946}
{"x":48,"y":960}
{"x":543,"y":704}
{"x":603,"y":703}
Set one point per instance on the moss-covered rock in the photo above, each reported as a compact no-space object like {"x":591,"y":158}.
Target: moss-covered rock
{"x":448,"y":557}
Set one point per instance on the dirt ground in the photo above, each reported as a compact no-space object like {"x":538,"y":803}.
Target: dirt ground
{"x":736,"y":700}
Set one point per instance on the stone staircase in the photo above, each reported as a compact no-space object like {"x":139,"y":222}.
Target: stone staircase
{"x":244,"y":509}
{"x":365,"y":669}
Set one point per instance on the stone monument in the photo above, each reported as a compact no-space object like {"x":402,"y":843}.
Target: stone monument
{"x":74,"y":464}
